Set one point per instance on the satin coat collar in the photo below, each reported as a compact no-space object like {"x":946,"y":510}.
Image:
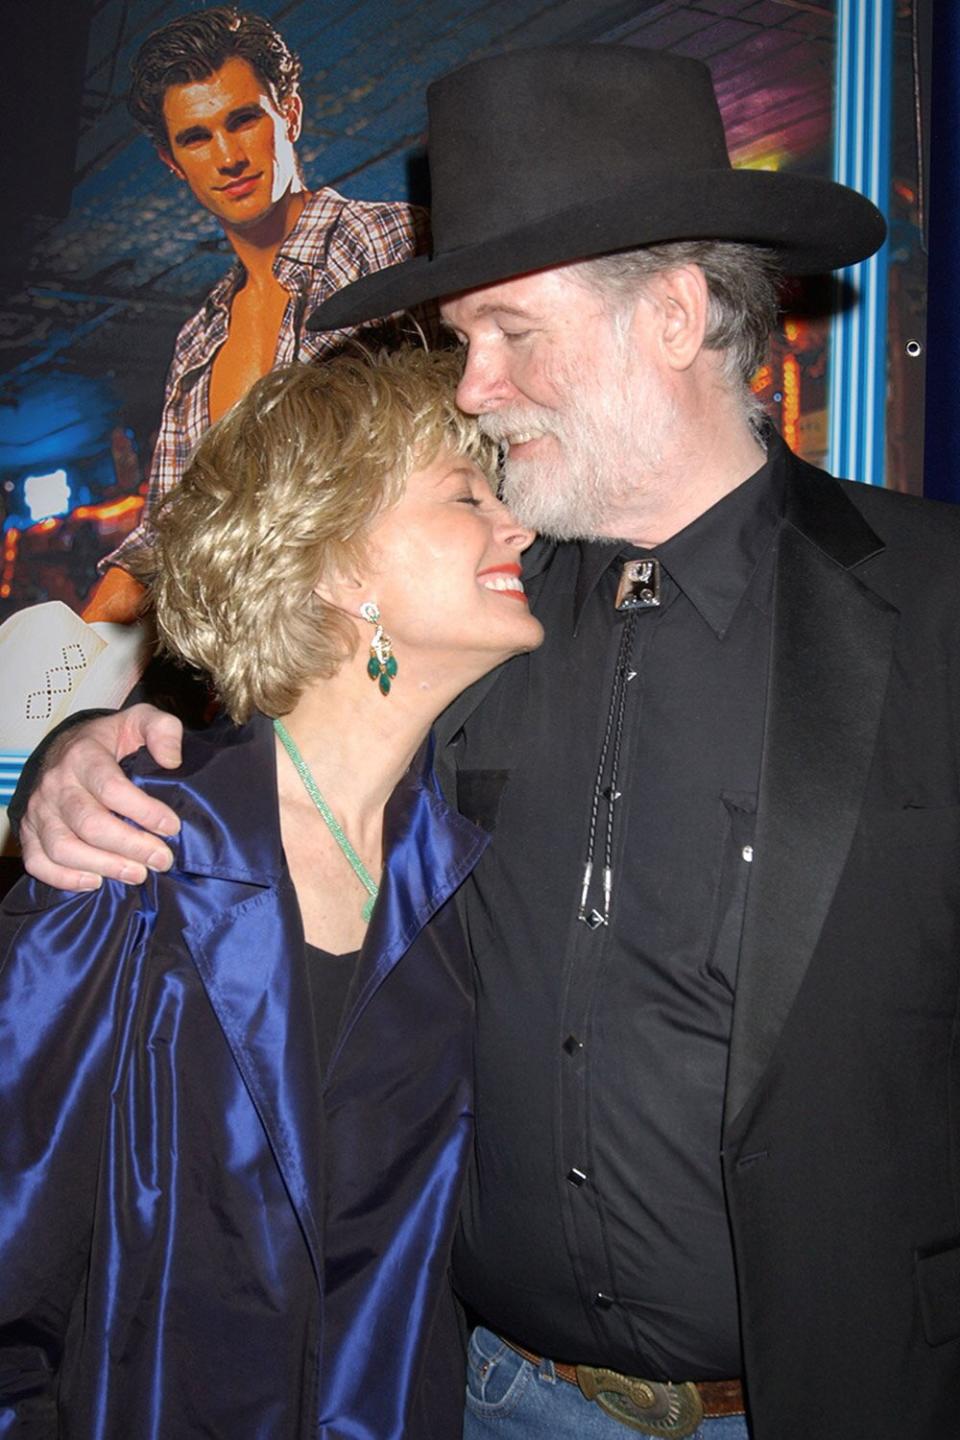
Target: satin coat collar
{"x":158,"y":1068}
{"x":261,"y":1003}
{"x":205,"y":785}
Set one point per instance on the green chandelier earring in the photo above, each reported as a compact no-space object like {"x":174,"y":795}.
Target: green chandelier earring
{"x":382,"y":665}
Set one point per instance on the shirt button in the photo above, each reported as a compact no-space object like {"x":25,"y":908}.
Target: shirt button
{"x":602,"y":1302}
{"x":747,"y":853}
{"x":572,"y":1044}
{"x":576,"y":1177}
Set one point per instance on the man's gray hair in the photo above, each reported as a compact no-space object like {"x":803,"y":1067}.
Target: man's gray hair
{"x":742,"y":281}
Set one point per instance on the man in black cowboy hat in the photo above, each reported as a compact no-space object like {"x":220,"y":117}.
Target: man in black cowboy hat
{"x":717,"y":931}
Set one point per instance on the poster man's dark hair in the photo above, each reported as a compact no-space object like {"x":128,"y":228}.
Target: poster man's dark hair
{"x":193,"y":46}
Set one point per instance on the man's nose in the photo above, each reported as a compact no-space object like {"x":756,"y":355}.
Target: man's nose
{"x":484,"y":385}
{"x":229,"y":153}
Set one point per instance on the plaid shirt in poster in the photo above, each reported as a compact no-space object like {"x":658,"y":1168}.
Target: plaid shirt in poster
{"x":334,"y":241}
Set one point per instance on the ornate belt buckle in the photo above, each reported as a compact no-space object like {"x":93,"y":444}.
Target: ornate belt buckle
{"x":652,"y":1407}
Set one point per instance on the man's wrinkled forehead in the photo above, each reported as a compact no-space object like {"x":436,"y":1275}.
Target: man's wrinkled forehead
{"x":460,"y":309}
{"x":477,"y":303}
{"x":522,"y":297}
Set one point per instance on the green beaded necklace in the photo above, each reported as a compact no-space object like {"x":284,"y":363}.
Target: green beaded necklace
{"x":310,"y":785}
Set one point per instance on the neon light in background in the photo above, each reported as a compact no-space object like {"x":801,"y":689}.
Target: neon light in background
{"x":108,"y":516}
{"x":11,"y":541}
{"x":47,"y":495}
{"x":109,"y":509}
{"x":761,"y":159}
{"x":790,"y":413}
{"x":858,"y":348}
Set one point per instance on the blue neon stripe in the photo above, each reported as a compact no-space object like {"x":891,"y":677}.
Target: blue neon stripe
{"x":941,"y":478}
{"x":11,"y":765}
{"x":862,"y":145}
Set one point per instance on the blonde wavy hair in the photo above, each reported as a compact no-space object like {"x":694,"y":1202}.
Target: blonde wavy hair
{"x":281,"y":493}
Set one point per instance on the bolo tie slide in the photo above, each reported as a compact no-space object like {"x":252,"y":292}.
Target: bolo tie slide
{"x":638,"y":589}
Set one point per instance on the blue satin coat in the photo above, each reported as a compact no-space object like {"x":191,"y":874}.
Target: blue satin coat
{"x":199,"y":1236}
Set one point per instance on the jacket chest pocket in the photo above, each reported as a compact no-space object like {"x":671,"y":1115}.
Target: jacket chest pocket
{"x":736,"y":860}
{"x":938,"y":1286}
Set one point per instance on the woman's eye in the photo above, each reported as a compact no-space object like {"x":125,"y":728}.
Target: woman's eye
{"x":469,"y":500}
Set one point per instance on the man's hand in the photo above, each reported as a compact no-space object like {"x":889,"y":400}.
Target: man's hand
{"x":69,"y":835}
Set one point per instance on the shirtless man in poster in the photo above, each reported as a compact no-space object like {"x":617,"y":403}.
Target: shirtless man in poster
{"x":217,"y":92}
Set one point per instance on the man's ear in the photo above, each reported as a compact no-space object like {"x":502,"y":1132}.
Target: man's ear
{"x":292,"y":112}
{"x":170,"y":163}
{"x":682,"y":302}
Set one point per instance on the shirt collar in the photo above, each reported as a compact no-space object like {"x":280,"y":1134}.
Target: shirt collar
{"x":299,"y":248}
{"x":714,"y":558}
{"x":219,"y":299}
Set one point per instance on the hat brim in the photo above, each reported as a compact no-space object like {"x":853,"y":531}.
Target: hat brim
{"x":813,"y":225}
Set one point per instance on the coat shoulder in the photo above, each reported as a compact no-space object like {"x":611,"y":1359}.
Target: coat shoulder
{"x":902,"y":548}
{"x":901,"y":520}
{"x":225,"y":793}
{"x":918,"y":567}
{"x":828,"y":508}
{"x":221,"y":745}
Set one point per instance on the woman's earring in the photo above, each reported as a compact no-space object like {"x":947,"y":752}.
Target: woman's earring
{"x":382,"y":665}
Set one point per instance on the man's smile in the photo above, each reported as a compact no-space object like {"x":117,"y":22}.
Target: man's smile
{"x":238,"y":188}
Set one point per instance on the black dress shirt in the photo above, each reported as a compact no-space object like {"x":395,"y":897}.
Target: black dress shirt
{"x":594,"y":1227}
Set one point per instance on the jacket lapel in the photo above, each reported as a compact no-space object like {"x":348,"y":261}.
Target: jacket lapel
{"x":830,"y":658}
{"x":243,"y":957}
{"x":429,"y":850}
{"x":243,"y":926}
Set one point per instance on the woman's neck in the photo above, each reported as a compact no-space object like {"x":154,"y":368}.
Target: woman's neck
{"x":357,"y":742}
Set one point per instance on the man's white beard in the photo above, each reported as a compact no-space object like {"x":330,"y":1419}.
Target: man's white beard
{"x":609,"y":442}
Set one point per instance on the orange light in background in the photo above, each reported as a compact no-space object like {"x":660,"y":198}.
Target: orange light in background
{"x":797,"y":333}
{"x":109,"y":509}
{"x":10,"y":544}
{"x":790,"y":410}
{"x":762,"y":380}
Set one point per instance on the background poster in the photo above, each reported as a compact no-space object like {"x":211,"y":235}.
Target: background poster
{"x":107,"y":255}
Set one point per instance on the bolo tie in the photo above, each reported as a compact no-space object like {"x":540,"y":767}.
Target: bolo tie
{"x":638,"y":589}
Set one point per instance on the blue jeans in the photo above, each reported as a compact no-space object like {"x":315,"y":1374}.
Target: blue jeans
{"x":511,"y":1399}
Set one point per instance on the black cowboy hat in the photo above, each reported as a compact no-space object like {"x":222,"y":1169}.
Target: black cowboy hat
{"x":544,"y":156}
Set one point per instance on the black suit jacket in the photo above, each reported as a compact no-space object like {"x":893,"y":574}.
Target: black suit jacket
{"x":841,"y":1149}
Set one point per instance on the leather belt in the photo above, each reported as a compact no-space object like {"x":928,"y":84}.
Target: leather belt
{"x":651,"y":1407}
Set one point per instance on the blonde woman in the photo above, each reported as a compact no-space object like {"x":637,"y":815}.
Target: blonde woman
{"x":235,"y":1104}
